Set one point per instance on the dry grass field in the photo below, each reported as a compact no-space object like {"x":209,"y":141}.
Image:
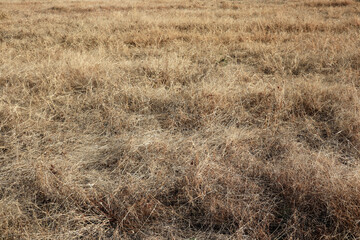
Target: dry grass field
{"x":180,"y":119}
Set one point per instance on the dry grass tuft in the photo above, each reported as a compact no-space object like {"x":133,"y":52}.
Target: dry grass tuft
{"x":3,"y":15}
{"x":179,"y":120}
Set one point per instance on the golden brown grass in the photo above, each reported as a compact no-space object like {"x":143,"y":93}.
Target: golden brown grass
{"x":180,"y":119}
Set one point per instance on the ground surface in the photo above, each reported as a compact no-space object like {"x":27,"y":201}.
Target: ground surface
{"x":180,"y":119}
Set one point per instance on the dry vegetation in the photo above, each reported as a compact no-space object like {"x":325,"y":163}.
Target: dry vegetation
{"x":185,"y":119}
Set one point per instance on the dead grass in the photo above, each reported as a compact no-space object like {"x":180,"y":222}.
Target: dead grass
{"x":179,"y":120}
{"x":333,"y":3}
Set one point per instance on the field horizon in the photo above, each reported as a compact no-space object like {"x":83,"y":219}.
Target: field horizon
{"x":168,"y":119}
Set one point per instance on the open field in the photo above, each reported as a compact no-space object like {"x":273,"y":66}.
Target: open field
{"x":167,"y":119}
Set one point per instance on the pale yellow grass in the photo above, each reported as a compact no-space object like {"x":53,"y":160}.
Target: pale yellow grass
{"x":180,"y":119}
